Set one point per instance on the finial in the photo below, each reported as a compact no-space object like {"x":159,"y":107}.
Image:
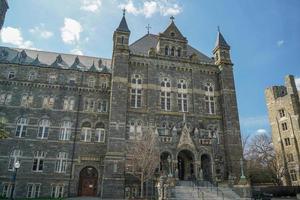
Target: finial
{"x":148,"y":27}
{"x":124,"y":12}
{"x":172,"y":18}
{"x":219,"y":29}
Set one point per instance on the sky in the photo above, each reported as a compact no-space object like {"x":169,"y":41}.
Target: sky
{"x":263,"y":35}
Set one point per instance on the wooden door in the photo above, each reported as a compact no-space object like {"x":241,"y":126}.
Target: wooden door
{"x":88,"y":182}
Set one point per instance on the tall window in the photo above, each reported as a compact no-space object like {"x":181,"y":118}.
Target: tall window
{"x":43,"y":130}
{"x":26,"y":100}
{"x":209,"y":98}
{"x":293,"y":175}
{"x":69,"y":103}
{"x":102,"y":106}
{"x":281,"y":113}
{"x":86,"y":132}
{"x":284,"y":126}
{"x":7,"y":188}
{"x":57,"y":191}
{"x":166,"y":50}
{"x":100,"y":133}
{"x":21,"y":127}
{"x":287,"y":141}
{"x":33,"y":190}
{"x":48,"y":102}
{"x":89,"y":105}
{"x":5,"y":99}
{"x":165,"y":94}
{"x":61,"y":162}
{"x":15,"y":155}
{"x":65,"y":131}
{"x":179,"y":52}
{"x":173,"y":51}
{"x":38,"y":161}
{"x":136,"y":91}
{"x":182,"y":96}
{"x":91,"y":82}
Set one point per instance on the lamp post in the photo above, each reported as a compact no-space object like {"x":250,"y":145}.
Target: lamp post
{"x":17,"y":165}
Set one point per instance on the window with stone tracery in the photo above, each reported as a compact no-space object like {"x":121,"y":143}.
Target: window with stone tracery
{"x":43,"y":129}
{"x":182,"y":96}
{"x":135,"y":130}
{"x":165,"y":94}
{"x":26,"y":100}
{"x":209,"y":98}
{"x":5,"y":98}
{"x":65,"y":131}
{"x":136,"y":91}
{"x":61,"y":162}
{"x":69,"y":103}
{"x":48,"y":102}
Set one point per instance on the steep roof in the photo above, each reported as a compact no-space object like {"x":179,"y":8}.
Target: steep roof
{"x":142,"y":46}
{"x":221,"y":42}
{"x":51,"y":59}
{"x":123,"y":25}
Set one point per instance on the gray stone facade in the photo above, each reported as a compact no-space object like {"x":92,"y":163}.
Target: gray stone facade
{"x":159,"y":81}
{"x":3,"y":9}
{"x":284,"y":112}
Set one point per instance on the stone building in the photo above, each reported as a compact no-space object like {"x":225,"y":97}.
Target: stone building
{"x":3,"y":9}
{"x":70,"y":117}
{"x":284,"y":116}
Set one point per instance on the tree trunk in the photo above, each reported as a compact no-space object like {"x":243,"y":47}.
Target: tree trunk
{"x":142,"y":185}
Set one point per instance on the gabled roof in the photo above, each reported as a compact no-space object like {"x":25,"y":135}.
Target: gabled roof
{"x":172,"y":28}
{"x":221,"y":42}
{"x":49,"y":59}
{"x":144,"y":44}
{"x":123,"y":25}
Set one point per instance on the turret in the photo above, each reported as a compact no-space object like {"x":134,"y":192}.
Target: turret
{"x":222,"y":50}
{"x":121,"y":36}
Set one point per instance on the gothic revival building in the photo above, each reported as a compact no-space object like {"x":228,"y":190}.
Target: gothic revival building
{"x":3,"y":9}
{"x":284,"y":116}
{"x":70,"y":117}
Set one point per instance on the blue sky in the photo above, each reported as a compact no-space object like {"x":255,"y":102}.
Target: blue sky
{"x":264,"y":36}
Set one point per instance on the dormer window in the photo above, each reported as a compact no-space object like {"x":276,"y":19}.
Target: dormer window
{"x":173,"y":51}
{"x":172,"y":34}
{"x":166,"y":50}
{"x":11,"y":75}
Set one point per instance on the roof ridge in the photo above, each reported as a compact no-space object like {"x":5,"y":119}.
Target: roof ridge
{"x":150,"y":34}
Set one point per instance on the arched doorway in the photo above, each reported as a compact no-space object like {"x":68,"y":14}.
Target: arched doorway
{"x":165,"y":164}
{"x":185,"y":165}
{"x":88,"y":178}
{"x":206,"y":167}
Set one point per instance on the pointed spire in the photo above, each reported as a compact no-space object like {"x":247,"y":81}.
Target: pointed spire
{"x":59,"y":62}
{"x":123,"y":24}
{"x":221,"y":42}
{"x":77,"y":64}
{"x":93,"y":67}
{"x":36,"y":61}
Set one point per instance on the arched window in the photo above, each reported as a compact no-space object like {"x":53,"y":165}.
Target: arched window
{"x":122,"y":39}
{"x":43,"y":130}
{"x":182,"y":96}
{"x":166,"y":50}
{"x":61,"y":162}
{"x":100,"y":132}
{"x":136,"y":91}
{"x":173,"y":51}
{"x":209,"y":98}
{"x":11,"y":75}
{"x":91,"y":82}
{"x":165,"y":94}
{"x":21,"y":127}
{"x":65,"y":130}
{"x":14,"y":157}
{"x":86,"y":132}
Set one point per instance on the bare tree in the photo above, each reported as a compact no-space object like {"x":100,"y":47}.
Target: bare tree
{"x":143,"y":157}
{"x":3,"y":132}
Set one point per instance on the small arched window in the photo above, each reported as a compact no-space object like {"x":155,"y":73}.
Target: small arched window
{"x":166,"y":50}
{"x":122,"y":39}
{"x":165,"y":83}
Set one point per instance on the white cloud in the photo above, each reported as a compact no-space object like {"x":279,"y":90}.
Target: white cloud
{"x":41,"y":31}
{"x":14,"y":36}
{"x":151,"y":7}
{"x":261,"y":131}
{"x":90,"y":5}
{"x":257,"y":121}
{"x":70,"y":32}
{"x":76,"y":51}
{"x":280,"y":43}
{"x":297,"y":80}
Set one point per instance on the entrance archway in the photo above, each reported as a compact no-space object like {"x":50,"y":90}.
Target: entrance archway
{"x":206,"y":167}
{"x":185,"y":165}
{"x":88,"y":178}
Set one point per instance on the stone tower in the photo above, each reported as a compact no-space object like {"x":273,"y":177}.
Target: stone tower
{"x":284,"y":108}
{"x":232,"y":138}
{"x":114,"y":164}
{"x":3,"y":9}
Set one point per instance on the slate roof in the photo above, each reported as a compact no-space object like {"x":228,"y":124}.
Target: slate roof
{"x":221,"y":41}
{"x":55,"y":60}
{"x":123,"y":25}
{"x":142,"y":46}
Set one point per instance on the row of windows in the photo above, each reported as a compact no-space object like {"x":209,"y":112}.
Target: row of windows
{"x":172,"y":51}
{"x":52,"y":79}
{"x":34,"y":190}
{"x":48,"y":102}
{"x":39,"y":157}
{"x":65,"y":130}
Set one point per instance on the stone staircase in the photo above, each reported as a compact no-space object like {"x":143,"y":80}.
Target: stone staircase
{"x":186,"y":190}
